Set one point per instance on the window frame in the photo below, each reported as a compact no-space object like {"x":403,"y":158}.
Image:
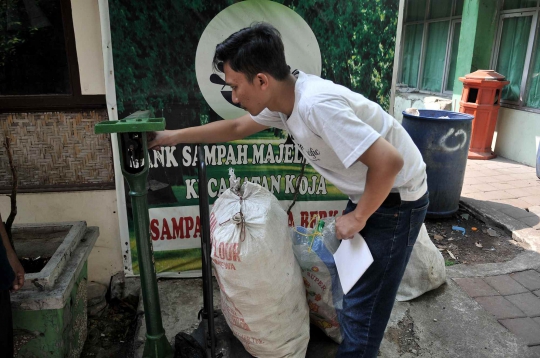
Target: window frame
{"x":534,"y":32}
{"x":75,"y":100}
{"x":453,"y":20}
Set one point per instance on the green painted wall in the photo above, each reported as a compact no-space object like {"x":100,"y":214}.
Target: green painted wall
{"x":485,"y":35}
{"x":478,"y":26}
{"x":518,"y":135}
{"x":54,"y":333}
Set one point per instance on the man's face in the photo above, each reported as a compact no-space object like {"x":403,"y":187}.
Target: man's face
{"x":248,"y":95}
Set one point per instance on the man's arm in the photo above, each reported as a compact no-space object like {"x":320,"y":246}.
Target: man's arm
{"x":216,"y":132}
{"x":12,"y":258}
{"x":384,"y":163}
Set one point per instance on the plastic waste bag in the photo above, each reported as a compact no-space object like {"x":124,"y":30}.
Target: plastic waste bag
{"x":425,"y":271}
{"x":314,"y":250}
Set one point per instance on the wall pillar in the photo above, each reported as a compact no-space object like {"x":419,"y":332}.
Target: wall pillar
{"x":478,"y":29}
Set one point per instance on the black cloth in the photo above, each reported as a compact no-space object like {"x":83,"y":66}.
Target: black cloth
{"x":6,"y":325}
{"x":7,"y":276}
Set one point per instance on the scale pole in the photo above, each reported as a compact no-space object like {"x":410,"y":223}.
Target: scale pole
{"x":206,"y":249}
{"x":133,"y":151}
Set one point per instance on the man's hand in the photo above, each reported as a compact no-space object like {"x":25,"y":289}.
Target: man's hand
{"x":348,"y":225}
{"x":18,"y":283}
{"x":12,"y":258}
{"x":160,"y":139}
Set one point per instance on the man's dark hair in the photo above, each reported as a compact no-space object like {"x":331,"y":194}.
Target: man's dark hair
{"x":253,"y":50}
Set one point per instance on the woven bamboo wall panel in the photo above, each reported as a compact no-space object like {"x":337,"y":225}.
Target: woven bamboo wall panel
{"x":55,"y":149}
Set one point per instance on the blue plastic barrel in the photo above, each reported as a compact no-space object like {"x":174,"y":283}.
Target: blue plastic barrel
{"x":443,"y":138}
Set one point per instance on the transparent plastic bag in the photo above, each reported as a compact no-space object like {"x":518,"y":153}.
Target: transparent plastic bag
{"x":314,"y":250}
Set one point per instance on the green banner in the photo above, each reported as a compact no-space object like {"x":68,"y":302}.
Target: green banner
{"x":162,"y":54}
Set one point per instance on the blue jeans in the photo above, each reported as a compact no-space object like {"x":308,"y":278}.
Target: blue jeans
{"x":390,"y":234}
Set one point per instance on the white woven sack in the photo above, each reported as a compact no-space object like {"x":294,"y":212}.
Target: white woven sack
{"x":262,"y":292}
{"x":425,"y":271}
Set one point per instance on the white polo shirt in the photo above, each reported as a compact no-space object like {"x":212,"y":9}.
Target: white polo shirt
{"x":333,"y":126}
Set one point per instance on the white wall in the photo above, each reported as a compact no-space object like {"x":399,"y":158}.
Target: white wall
{"x":417,"y":100}
{"x":518,"y":133}
{"x":88,"y":43}
{"x":97,"y":208}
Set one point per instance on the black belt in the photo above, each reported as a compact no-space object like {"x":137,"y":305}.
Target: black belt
{"x":392,"y":199}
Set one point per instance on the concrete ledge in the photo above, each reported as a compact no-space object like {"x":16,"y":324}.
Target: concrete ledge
{"x":517,"y":229}
{"x":522,"y":262}
{"x":56,"y":298}
{"x":47,"y":276}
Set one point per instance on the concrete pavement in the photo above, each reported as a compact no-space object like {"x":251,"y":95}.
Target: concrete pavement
{"x":507,"y":195}
{"x":487,"y":310}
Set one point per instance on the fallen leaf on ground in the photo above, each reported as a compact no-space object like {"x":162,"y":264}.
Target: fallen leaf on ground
{"x":450,"y":239}
{"x":437,"y":237}
{"x":478,"y":244}
{"x":451,"y":254}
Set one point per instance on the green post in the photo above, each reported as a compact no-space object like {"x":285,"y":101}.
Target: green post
{"x":478,"y":27}
{"x":133,"y":150}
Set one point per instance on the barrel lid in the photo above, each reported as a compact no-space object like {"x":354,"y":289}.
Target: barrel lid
{"x":486,"y":75}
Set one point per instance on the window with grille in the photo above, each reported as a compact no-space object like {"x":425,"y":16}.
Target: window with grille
{"x":38,"y":57}
{"x":517,"y":53}
{"x":431,"y":38}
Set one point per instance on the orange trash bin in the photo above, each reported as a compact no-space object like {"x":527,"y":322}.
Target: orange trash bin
{"x":481,"y":97}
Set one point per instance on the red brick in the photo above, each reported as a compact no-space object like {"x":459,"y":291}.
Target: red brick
{"x":500,"y":307}
{"x":527,"y":302}
{"x":505,"y":285}
{"x":525,"y":328}
{"x":530,"y":279}
{"x":475,"y":287}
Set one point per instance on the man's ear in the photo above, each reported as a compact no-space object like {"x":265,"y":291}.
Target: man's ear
{"x":262,"y":80}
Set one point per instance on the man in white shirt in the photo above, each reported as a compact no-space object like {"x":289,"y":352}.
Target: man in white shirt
{"x":349,"y":140}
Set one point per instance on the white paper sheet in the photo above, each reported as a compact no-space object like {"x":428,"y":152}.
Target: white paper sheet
{"x":352,"y":259}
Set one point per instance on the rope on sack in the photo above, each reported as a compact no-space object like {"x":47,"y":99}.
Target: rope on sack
{"x":297,"y":185}
{"x":238,"y":219}
{"x":290,"y":140}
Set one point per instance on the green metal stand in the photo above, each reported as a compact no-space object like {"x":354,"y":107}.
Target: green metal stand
{"x":133,"y":149}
